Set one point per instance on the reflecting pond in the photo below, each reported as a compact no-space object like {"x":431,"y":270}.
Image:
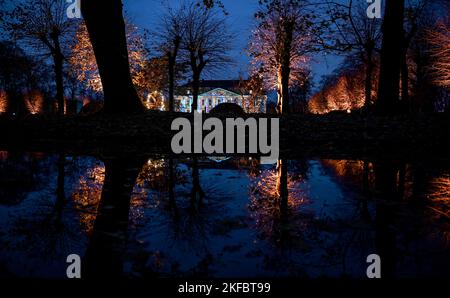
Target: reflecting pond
{"x":221,"y":217}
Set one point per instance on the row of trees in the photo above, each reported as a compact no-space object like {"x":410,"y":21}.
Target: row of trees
{"x":403,"y":57}
{"x":345,"y":89}
{"x":390,"y":61}
{"x":190,"y":38}
{"x":400,"y":56}
{"x":40,"y":35}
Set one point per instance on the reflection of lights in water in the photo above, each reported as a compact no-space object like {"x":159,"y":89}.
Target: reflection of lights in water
{"x":152,"y":174}
{"x":138,"y":204}
{"x":266,"y":187}
{"x":440,"y":195}
{"x":440,"y":204}
{"x":270,"y":217}
{"x":347,"y":168}
{"x":87,"y":195}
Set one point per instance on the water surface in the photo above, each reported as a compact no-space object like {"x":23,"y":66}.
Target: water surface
{"x":206,"y":217}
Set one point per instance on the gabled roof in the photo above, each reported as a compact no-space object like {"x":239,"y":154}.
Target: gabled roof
{"x":224,"y":84}
{"x":219,"y":92}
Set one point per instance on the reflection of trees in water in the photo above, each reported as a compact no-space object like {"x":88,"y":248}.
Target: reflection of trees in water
{"x":46,"y":225}
{"x":49,"y":224}
{"x":277,"y":184}
{"x":186,"y":212}
{"x":440,"y":194}
{"x":20,"y":174}
{"x":275,"y":196}
{"x":87,"y":193}
{"x":197,"y":192}
{"x":304,"y":238}
{"x":402,"y":194}
{"x":104,"y":255}
{"x":356,"y":175}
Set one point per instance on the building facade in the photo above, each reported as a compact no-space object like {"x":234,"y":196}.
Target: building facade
{"x":213,"y":93}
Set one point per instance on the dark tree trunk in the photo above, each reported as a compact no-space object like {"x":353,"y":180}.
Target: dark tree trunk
{"x":368,"y":79}
{"x":385,"y":237}
{"x":171,"y":182}
{"x":282,"y":182}
{"x":110,"y":47}
{"x":60,"y":190}
{"x":285,"y":67}
{"x":401,"y":181}
{"x":171,"y":82}
{"x":195,"y":90}
{"x":58,"y":67}
{"x":172,"y":64}
{"x":365,"y":214}
{"x":197,"y":193}
{"x":419,"y":185}
{"x":285,"y":89}
{"x":15,"y":103}
{"x":391,"y":52}
{"x":103,"y":256}
{"x":386,"y":174}
{"x":405,"y":84}
{"x":59,"y":85}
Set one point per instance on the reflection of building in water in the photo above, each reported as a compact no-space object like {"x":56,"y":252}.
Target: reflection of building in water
{"x":215,"y":92}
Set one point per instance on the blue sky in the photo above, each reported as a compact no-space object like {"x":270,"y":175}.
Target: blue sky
{"x":145,"y":14}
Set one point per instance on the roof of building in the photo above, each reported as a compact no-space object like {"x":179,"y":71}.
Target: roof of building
{"x":213,"y":84}
{"x":219,"y":91}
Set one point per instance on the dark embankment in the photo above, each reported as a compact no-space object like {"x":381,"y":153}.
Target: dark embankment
{"x":349,"y":136}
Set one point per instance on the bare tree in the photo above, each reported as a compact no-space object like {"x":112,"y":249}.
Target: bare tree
{"x":205,"y":43}
{"x":356,"y":32}
{"x":170,"y":34}
{"x":343,"y":90}
{"x":439,"y":38}
{"x":416,"y":13}
{"x":44,"y":26}
{"x":280,"y":45}
{"x":252,"y":93}
{"x":391,"y":55}
{"x":109,"y":42}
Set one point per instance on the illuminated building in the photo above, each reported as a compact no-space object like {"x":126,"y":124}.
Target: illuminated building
{"x":215,"y":92}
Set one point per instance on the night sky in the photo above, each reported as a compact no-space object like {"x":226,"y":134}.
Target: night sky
{"x":145,"y":13}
